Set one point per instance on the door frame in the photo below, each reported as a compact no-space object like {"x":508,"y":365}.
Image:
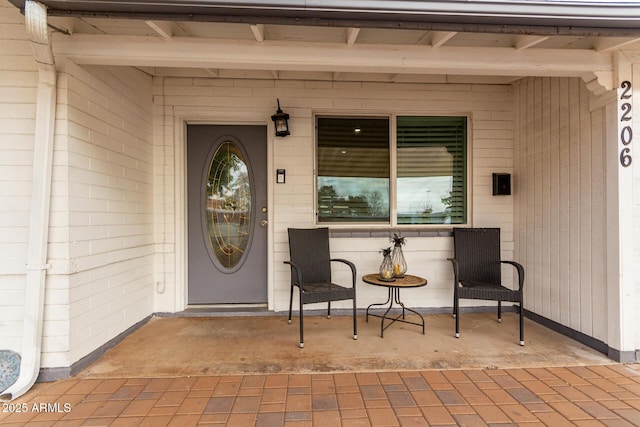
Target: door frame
{"x":212,"y":116}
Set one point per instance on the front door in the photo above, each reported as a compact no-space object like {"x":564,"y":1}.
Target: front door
{"x":227,"y":214}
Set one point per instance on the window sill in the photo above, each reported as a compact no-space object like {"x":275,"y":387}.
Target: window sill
{"x":388,"y":232}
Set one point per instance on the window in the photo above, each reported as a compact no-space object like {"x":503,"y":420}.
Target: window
{"x":356,"y":182}
{"x":431,"y":172}
{"x":353,"y":169}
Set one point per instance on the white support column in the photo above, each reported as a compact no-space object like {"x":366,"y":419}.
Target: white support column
{"x":623,"y":213}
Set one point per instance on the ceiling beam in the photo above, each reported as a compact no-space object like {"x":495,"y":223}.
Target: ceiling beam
{"x":424,"y":39}
{"x":439,"y":38}
{"x":258,"y":32}
{"x":163,"y":28}
{"x":332,"y":57}
{"x":352,"y":35}
{"x":525,"y":42}
{"x":609,"y":44}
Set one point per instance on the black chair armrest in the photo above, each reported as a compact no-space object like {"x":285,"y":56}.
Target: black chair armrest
{"x":454,"y":264}
{"x":296,"y":271}
{"x":351,"y":265}
{"x":520,"y":270}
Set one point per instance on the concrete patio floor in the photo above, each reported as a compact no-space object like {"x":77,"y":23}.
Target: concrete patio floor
{"x":248,"y":370}
{"x":225,"y":345}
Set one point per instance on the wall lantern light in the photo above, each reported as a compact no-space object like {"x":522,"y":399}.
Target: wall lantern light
{"x":281,"y":120}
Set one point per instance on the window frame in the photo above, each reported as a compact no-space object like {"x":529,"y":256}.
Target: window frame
{"x":393,"y":171}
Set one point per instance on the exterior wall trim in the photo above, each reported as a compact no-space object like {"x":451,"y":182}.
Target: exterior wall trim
{"x":54,"y":374}
{"x":182,"y":117}
{"x":573,"y":334}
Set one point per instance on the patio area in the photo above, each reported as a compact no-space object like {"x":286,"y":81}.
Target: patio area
{"x":248,"y":370}
{"x":254,"y":344}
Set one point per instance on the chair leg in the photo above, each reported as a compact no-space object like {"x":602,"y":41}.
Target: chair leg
{"x":355,"y":322}
{"x":291,"y":303}
{"x":329,"y":310}
{"x":499,"y":311}
{"x":521,"y":324}
{"x":453,"y":310}
{"x":301,"y":345}
{"x":456,"y":313}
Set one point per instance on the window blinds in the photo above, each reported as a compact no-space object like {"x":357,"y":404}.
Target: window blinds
{"x":435,"y":147}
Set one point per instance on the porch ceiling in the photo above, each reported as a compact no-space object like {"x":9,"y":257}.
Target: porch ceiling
{"x":267,"y":48}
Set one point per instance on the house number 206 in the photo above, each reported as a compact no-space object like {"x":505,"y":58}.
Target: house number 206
{"x":626,"y":133}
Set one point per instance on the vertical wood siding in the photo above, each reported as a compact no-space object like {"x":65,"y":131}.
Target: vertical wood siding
{"x":560,"y":202}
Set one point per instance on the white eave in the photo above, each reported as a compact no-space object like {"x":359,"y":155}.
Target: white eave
{"x":462,"y":41}
{"x":600,"y":17}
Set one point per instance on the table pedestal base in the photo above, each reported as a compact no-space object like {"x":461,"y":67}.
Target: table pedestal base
{"x":394,"y":297}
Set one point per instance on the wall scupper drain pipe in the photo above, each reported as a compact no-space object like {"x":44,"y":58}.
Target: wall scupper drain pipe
{"x":36,"y":23}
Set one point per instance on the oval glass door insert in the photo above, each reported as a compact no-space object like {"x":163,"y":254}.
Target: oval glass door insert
{"x":228,"y":206}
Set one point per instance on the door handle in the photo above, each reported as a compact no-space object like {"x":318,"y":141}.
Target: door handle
{"x":264,"y":222}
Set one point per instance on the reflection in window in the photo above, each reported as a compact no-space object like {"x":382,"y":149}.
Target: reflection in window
{"x":353,"y":169}
{"x":354,"y":173}
{"x":228,"y":205}
{"x":431,"y":170}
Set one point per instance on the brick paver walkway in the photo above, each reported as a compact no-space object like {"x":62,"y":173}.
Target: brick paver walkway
{"x":583,"y":396}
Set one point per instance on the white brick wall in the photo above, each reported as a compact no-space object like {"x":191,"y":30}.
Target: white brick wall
{"x":489,"y":106}
{"x":101,"y":231}
{"x":18,"y":81}
{"x":107,"y":215}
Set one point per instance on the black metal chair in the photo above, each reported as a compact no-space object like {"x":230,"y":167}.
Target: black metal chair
{"x":310,"y":263}
{"x":477,"y":271}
